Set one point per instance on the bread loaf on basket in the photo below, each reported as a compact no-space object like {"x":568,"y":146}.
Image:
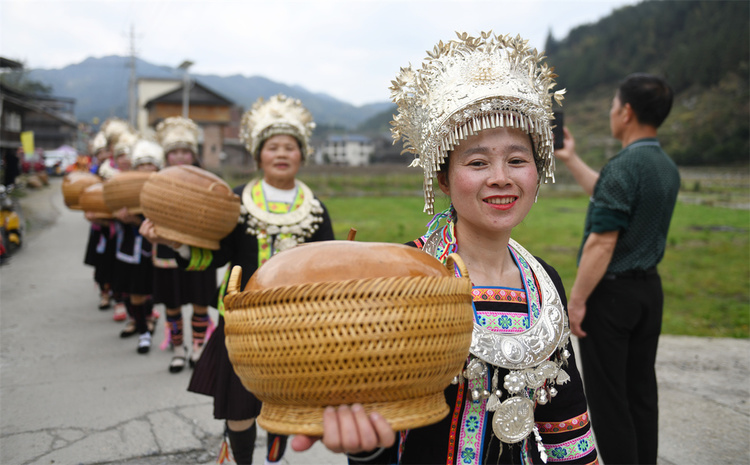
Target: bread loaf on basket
{"x":339,"y":322}
{"x":190,"y":205}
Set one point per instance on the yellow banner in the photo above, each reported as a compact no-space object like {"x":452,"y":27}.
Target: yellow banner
{"x":27,"y":141}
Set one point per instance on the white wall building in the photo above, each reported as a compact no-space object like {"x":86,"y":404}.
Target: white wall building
{"x":349,"y":150}
{"x":148,"y":89}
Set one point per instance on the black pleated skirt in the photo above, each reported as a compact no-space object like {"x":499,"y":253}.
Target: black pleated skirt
{"x":175,"y":287}
{"x":214,"y":376}
{"x":133,"y":278}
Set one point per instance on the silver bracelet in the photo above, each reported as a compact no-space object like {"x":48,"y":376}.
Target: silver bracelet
{"x":369,"y":457}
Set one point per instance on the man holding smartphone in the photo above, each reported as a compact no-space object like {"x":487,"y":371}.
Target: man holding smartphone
{"x":616,"y":302}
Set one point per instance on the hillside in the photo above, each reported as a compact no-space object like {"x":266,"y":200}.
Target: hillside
{"x":100,"y":87}
{"x":701,"y":47}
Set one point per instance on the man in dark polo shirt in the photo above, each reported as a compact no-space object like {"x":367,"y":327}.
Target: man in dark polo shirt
{"x":616,"y":302}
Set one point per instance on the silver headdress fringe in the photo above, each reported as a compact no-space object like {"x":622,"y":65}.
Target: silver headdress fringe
{"x":467,"y":85}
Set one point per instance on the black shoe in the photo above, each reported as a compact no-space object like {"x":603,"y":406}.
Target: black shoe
{"x":105,"y":303}
{"x":129,"y":329}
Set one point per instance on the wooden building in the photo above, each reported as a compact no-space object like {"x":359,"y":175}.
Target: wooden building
{"x":211,"y":111}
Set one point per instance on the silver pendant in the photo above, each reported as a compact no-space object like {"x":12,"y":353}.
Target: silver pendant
{"x":513,"y":420}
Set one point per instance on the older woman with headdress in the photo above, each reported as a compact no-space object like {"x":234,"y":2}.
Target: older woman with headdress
{"x":173,"y":286}
{"x":477,"y":116}
{"x":278,"y":212}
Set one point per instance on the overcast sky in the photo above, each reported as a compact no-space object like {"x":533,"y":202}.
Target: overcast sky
{"x":349,"y":49}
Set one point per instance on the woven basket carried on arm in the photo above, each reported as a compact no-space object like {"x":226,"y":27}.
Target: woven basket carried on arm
{"x":391,"y":342}
{"x":92,"y":201}
{"x":124,"y":190}
{"x":190,"y":205}
{"x":73,"y":185}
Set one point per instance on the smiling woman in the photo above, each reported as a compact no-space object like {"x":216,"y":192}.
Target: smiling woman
{"x":477,"y":116}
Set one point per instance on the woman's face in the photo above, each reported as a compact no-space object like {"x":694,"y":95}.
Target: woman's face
{"x":180,"y":156}
{"x":122,"y":162}
{"x":491,"y":180}
{"x":147,"y":168}
{"x":103,"y":154}
{"x":280,"y":160}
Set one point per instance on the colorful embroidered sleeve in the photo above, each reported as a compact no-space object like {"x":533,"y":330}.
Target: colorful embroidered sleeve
{"x":580,"y":447}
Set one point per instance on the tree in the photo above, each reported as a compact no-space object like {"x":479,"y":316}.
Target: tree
{"x":18,"y":80}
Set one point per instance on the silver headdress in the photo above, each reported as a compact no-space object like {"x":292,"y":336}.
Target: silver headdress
{"x":466,"y":86}
{"x":147,"y":151}
{"x":98,"y":143}
{"x":279,"y":115}
{"x":124,"y":144}
{"x":177,"y":132}
{"x":113,"y":129}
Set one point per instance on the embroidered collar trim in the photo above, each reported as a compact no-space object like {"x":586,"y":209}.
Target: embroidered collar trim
{"x":280,"y":219}
{"x":535,"y":345}
{"x":285,"y":230}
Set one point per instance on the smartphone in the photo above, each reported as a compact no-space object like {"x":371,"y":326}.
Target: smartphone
{"x":557,"y":131}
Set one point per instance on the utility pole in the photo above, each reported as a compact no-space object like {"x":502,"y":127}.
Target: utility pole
{"x":185,"y":66}
{"x":132,"y":102}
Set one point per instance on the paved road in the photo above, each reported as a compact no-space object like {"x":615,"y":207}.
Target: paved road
{"x":73,"y":392}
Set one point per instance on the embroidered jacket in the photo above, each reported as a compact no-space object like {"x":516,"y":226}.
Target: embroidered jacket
{"x":465,"y":436}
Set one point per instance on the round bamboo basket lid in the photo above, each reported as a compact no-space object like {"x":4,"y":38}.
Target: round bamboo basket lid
{"x":190,"y":205}
{"x":92,"y":201}
{"x":73,"y":184}
{"x":124,"y":190}
{"x":388,"y":327}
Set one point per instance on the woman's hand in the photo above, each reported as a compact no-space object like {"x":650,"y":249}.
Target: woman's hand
{"x":126,"y":217}
{"x":349,"y":429}
{"x":148,"y":231}
{"x":91,"y":217}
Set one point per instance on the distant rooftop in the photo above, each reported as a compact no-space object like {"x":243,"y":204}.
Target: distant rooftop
{"x":8,"y":63}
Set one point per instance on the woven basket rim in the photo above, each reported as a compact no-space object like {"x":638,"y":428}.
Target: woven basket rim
{"x":169,"y":180}
{"x":343,"y":289}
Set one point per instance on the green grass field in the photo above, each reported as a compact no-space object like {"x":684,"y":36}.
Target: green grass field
{"x":705,"y":271}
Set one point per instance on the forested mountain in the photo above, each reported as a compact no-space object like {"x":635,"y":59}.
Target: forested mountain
{"x":703,"y":50}
{"x":100,"y":87}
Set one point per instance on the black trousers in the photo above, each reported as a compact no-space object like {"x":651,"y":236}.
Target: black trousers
{"x":623,"y":323}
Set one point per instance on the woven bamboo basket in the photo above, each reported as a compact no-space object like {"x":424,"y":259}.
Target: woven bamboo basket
{"x":73,"y":185}
{"x":190,"y":205}
{"x":391,"y":343}
{"x":92,"y":201}
{"x":124,"y":190}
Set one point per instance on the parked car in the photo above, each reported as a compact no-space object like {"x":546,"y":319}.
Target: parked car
{"x":57,"y":161}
